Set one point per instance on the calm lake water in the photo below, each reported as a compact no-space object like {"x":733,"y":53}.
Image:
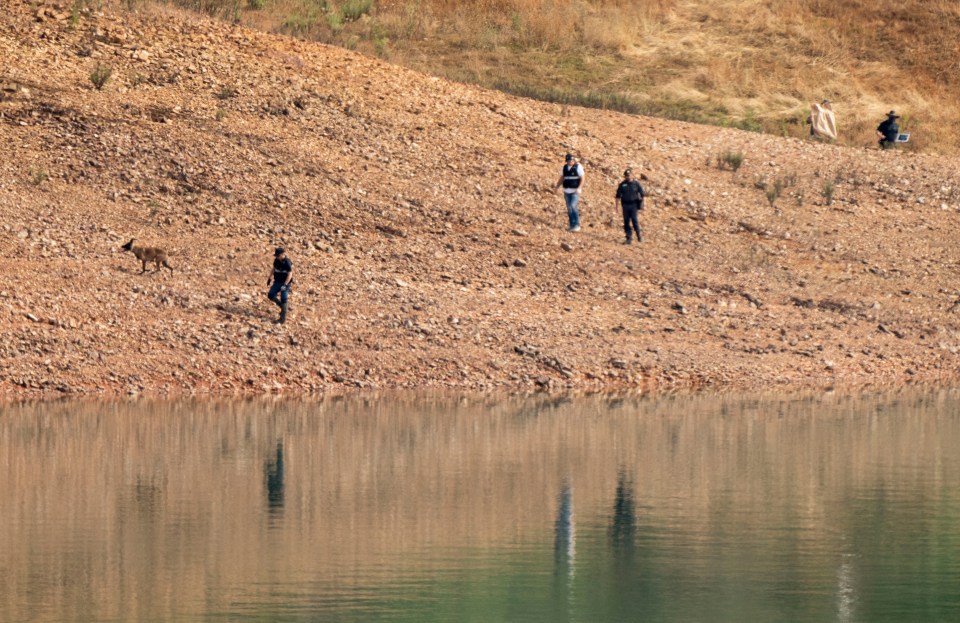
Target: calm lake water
{"x":698,"y":508}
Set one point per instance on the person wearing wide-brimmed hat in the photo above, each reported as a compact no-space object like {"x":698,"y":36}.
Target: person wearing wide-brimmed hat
{"x":888,"y":130}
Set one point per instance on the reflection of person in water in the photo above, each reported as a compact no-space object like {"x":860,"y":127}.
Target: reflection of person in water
{"x":623,"y":525}
{"x":563,"y":544}
{"x":563,"y":554}
{"x":274,"y":469}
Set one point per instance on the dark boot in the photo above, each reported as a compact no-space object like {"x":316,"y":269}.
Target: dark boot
{"x":283,"y":313}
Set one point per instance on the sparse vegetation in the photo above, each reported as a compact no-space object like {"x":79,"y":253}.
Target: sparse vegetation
{"x":334,"y":21}
{"x":732,"y":160}
{"x":757,"y":258}
{"x":100,"y":75}
{"x":352,"y":10}
{"x":227,"y":92}
{"x":748,"y":121}
{"x":74,"y":19}
{"x":828,"y":188}
{"x":300,"y":23}
{"x":572,"y":97}
{"x":81,"y":6}
{"x":682,"y":69}
{"x":228,"y":9}
{"x":773,"y":191}
{"x":38,"y":176}
{"x":380,"y":40}
{"x":381,"y":46}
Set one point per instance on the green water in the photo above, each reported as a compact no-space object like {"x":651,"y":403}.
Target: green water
{"x":397,"y":508}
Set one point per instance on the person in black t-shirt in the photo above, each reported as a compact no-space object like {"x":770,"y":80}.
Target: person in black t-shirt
{"x":630,"y":196}
{"x":281,"y":277}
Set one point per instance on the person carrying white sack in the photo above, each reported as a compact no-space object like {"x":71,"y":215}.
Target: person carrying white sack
{"x":823,"y":123}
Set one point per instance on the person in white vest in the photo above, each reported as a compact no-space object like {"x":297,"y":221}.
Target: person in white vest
{"x":823,"y":123}
{"x":571,"y":179}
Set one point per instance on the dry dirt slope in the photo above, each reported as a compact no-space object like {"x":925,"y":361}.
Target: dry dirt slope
{"x":428,"y":251}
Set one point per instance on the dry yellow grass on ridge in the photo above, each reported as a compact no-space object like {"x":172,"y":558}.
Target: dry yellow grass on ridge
{"x":754,"y":64}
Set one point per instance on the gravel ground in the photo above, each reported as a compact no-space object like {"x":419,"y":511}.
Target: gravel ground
{"x":429,"y":248}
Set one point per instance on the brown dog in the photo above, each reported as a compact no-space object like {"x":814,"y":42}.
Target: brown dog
{"x":148,"y":254}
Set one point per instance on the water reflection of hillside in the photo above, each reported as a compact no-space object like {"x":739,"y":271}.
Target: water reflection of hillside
{"x":123,"y":511}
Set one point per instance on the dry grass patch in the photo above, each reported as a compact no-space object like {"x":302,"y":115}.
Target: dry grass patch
{"x":743,"y":63}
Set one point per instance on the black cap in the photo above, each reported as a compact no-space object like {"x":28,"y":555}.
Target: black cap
{"x":278,"y":251}
{"x":893,"y":114}
{"x":627,"y":172}
{"x":568,"y":158}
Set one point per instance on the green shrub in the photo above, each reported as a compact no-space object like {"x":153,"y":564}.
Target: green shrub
{"x":773,"y":191}
{"x":227,"y":9}
{"x":334,"y":21}
{"x":380,"y":47}
{"x":379,"y":37}
{"x":352,"y":10}
{"x":38,"y":176}
{"x":731,"y":159}
{"x":748,"y":122}
{"x":226,"y":92}
{"x":74,"y":19}
{"x":100,"y":75}
{"x":828,"y":188}
{"x":299,"y":23}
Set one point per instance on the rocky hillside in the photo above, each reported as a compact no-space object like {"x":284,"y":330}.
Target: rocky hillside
{"x":428,"y":248}
{"x":752,"y":64}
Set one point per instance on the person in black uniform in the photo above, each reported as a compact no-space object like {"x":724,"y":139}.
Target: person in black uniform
{"x":888,"y":130}
{"x":630,"y":197}
{"x":281,"y":277}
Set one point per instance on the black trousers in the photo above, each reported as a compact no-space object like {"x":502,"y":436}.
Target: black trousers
{"x":630,"y":210}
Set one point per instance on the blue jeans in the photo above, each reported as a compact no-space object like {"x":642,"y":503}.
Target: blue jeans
{"x":281,"y":289}
{"x":572,"y":200}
